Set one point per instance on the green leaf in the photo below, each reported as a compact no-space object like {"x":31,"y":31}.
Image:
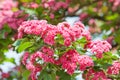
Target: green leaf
{"x":44,"y":75}
{"x":26,"y":74}
{"x":6,"y":29}
{"x":9,"y":60}
{"x":38,"y":1}
{"x":112,"y":17}
{"x":23,"y":46}
{"x":17,"y":42}
{"x":117,"y":36}
{"x":63,"y":75}
{"x":82,"y":40}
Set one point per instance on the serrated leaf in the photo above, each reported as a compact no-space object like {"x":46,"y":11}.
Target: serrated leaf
{"x":24,"y":46}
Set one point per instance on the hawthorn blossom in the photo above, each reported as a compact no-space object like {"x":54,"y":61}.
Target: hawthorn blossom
{"x":99,"y":47}
{"x":47,"y":55}
{"x":34,"y":70}
{"x":54,"y":5}
{"x":115,"y":68}
{"x":48,"y":32}
{"x":34,"y":56}
{"x":30,"y":66}
{"x":7,"y":4}
{"x":95,"y":75}
{"x":85,"y":61}
{"x":83,"y":16}
{"x":68,"y":61}
{"x":7,"y":16}
{"x":25,"y":57}
{"x":5,"y":75}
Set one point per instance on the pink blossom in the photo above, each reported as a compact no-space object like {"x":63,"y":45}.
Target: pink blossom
{"x":67,"y":42}
{"x":48,"y":32}
{"x":83,"y":16}
{"x":25,"y":57}
{"x":5,"y":75}
{"x":85,"y":61}
{"x":34,"y":72}
{"x":52,"y":16}
{"x":86,"y":34}
{"x":30,"y":66}
{"x":49,"y":38}
{"x":34,"y":5}
{"x":92,"y":22}
{"x":47,"y":55}
{"x":68,"y":61}
{"x":33,"y":27}
{"x":95,"y":75}
{"x":20,"y":35}
{"x":55,"y":5}
{"x":59,"y":5}
{"x":34,"y":56}
{"x":47,"y":51}
{"x":99,"y":47}
{"x":11,"y":18}
{"x":114,"y":69}
{"x":7,"y":4}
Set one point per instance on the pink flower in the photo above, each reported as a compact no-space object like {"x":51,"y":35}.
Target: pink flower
{"x":32,"y":27}
{"x":67,"y":42}
{"x":99,"y":47}
{"x":34,"y":72}
{"x":30,"y":66}
{"x":83,"y":16}
{"x":47,"y":51}
{"x":7,"y":4}
{"x":34,"y":56}
{"x":59,"y":5}
{"x":47,"y":55}
{"x":20,"y":35}
{"x":5,"y":75}
{"x":49,"y":38}
{"x":68,"y":61}
{"x":52,"y":16}
{"x":86,"y":34}
{"x":25,"y":57}
{"x":70,"y":67}
{"x":114,"y":69}
{"x":85,"y":61}
{"x":12,"y":18}
{"x":92,"y":22}
{"x":95,"y":75}
{"x":34,"y":5}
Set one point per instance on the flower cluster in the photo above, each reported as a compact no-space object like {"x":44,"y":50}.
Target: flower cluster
{"x":8,"y":16}
{"x":68,"y":58}
{"x":48,"y":32}
{"x":99,"y":47}
{"x":116,"y":4}
{"x":115,"y":68}
{"x":68,"y":61}
{"x":95,"y":75}
{"x":84,"y":62}
{"x":54,"y":5}
{"x":30,"y":64}
{"x":7,"y":4}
